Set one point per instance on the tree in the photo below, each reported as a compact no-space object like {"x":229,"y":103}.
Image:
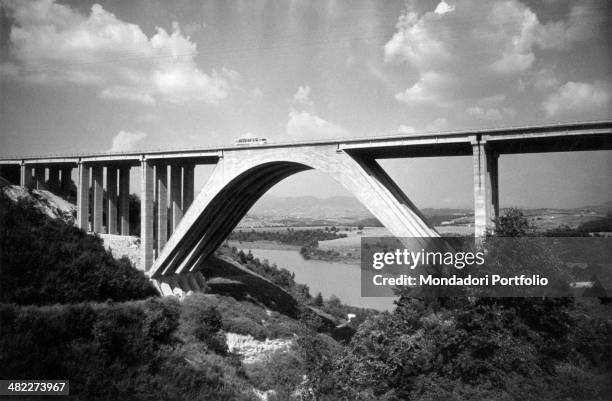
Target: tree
{"x":318,"y":299}
{"x":513,"y":223}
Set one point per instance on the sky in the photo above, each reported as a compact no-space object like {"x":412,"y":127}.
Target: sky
{"x":79,"y":76}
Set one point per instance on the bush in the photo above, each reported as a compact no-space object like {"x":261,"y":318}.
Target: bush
{"x":116,"y":351}
{"x":47,"y":261}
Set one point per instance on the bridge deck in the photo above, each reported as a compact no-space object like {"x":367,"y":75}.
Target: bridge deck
{"x":529,"y":139}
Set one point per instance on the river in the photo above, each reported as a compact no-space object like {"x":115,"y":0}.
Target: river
{"x":330,"y":278}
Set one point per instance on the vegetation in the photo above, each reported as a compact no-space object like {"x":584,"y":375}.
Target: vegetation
{"x":291,"y":236}
{"x":145,"y":350}
{"x":286,"y":280}
{"x":46,"y":261}
{"x":428,"y":348}
{"x":467,"y":349}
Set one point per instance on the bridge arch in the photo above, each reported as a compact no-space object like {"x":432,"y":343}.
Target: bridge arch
{"x":242,"y":176}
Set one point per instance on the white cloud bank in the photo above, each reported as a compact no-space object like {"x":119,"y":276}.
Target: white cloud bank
{"x":577,"y":98}
{"x":304,"y":124}
{"x":52,"y":43}
{"x":125,"y":141}
{"x":455,"y":61}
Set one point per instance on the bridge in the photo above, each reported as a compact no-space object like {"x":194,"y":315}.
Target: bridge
{"x":179,"y":233}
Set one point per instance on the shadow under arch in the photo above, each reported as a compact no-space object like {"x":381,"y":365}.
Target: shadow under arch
{"x":227,"y":208}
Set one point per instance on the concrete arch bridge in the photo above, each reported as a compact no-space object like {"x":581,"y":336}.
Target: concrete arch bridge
{"x":180,"y":232}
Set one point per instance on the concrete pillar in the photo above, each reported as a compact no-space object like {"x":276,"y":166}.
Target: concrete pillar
{"x":124,"y":200}
{"x":146,"y":214}
{"x":26,"y":176}
{"x":66,"y":180}
{"x":188,"y":177}
{"x":161,"y":196}
{"x":39,"y":176}
{"x":97,"y":209}
{"x":54,"y":179}
{"x":176,"y":195}
{"x":111,"y":199}
{"x":83,"y":197}
{"x":486,"y":188}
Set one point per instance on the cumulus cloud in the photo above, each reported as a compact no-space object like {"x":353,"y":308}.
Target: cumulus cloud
{"x":406,"y":129}
{"x":439,"y":124}
{"x":304,"y":124}
{"x":490,"y":113}
{"x":455,"y":60}
{"x":302,"y":96}
{"x":578,"y":98}
{"x":125,"y":141}
{"x":53,"y":43}
{"x":443,"y":8}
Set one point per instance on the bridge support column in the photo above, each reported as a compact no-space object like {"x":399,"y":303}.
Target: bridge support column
{"x":54,"y":179}
{"x":124,"y":200}
{"x":161,"y":197}
{"x":66,"y":180}
{"x":146,"y":214}
{"x":97,"y":209}
{"x":25,"y":179}
{"x":111,"y":203}
{"x":39,"y":176}
{"x":83,"y":197}
{"x":486,"y":188}
{"x":176,"y":195}
{"x":188,"y":183}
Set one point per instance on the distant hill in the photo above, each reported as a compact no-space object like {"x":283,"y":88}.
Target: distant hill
{"x":309,"y":207}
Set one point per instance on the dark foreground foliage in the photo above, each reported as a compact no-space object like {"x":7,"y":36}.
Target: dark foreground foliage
{"x":144,"y":350}
{"x":468,"y":349}
{"x":46,"y":261}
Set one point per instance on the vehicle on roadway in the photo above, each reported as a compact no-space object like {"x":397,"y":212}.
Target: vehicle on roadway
{"x":251,"y":141}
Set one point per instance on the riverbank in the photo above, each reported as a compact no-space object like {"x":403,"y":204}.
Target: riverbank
{"x":246,"y":245}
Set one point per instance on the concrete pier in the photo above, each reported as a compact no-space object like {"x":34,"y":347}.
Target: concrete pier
{"x":39,"y":177}
{"x":66,"y":180}
{"x":161,"y":198}
{"x":97,"y":207}
{"x":111,"y":199}
{"x":83,"y":197}
{"x":176,"y":195}
{"x":124,"y":200}
{"x":25,"y":178}
{"x":146,"y":214}
{"x":54,"y":179}
{"x":486,"y":187}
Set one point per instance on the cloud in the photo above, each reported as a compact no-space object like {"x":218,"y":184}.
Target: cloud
{"x":490,"y":113}
{"x":443,"y":8}
{"x":406,"y":129}
{"x":457,"y":61}
{"x":125,"y":141}
{"x":578,"y":98}
{"x":302,"y":97}
{"x":439,"y":124}
{"x":305,"y":125}
{"x":52,"y":43}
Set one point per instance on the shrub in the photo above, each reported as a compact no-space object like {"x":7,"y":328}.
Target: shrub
{"x":47,"y":261}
